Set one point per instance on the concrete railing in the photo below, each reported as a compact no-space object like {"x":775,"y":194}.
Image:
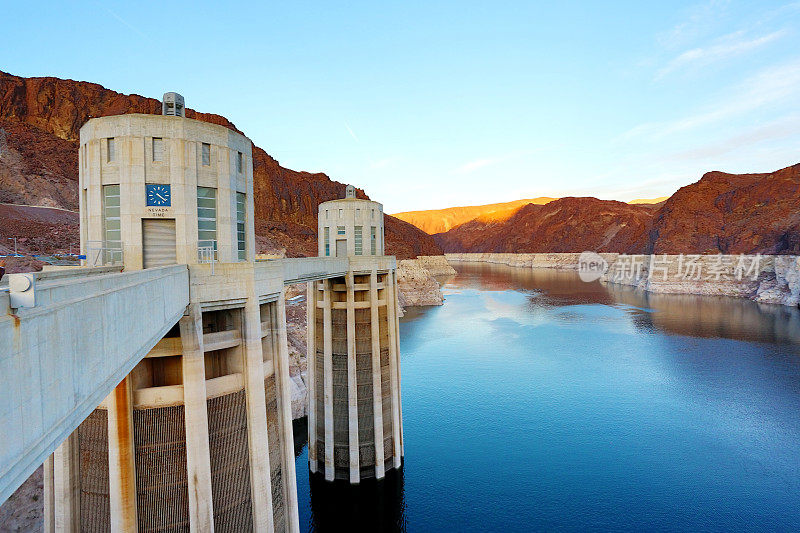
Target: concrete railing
{"x":302,"y":269}
{"x":66,"y":345}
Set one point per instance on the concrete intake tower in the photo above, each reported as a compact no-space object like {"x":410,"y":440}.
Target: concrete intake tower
{"x":198,"y":434}
{"x":355,"y":426}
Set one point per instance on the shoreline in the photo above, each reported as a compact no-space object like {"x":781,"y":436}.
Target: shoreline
{"x":767,"y":279}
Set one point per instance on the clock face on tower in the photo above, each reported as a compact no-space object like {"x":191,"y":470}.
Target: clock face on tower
{"x":158,"y":195}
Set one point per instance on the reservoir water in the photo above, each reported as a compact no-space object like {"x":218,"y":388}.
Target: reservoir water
{"x":534,"y":401}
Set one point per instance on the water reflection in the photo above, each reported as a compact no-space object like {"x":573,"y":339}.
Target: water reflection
{"x":534,"y":401}
{"x":696,"y":316}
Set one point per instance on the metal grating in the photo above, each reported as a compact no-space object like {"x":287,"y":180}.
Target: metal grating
{"x":230,"y":463}
{"x":341,"y":417}
{"x":93,"y":449}
{"x":161,"y":484}
{"x":320,"y":401}
{"x":386,"y":393}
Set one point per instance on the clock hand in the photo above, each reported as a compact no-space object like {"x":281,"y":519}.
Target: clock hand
{"x":164,"y":199}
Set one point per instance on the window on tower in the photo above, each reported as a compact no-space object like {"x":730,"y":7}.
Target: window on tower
{"x":207,"y":217}
{"x":158,"y":149}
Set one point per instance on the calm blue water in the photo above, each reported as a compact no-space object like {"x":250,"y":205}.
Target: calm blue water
{"x":533,"y":401}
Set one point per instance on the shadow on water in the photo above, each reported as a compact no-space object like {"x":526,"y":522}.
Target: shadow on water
{"x":370,"y":506}
{"x":374,"y":506}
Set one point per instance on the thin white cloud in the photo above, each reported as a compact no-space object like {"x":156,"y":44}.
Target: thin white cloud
{"x":700,"y":20}
{"x":352,"y":134}
{"x":773,"y":131}
{"x":769,"y":86}
{"x":123,"y":21}
{"x":472,"y":166}
{"x":385,"y":162}
{"x":475,"y":164}
{"x":727,"y":47}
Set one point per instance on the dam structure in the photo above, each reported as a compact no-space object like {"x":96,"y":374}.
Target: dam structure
{"x":355,"y":416}
{"x":153,"y":381}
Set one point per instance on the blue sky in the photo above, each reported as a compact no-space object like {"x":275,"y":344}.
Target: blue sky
{"x":434,"y":104}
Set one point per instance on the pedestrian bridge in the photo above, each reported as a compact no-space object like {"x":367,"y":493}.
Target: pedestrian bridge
{"x":68,"y":337}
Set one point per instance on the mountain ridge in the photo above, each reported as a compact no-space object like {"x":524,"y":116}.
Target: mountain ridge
{"x":720,"y":213}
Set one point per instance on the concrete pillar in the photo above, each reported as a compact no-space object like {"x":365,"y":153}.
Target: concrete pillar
{"x":121,"y":463}
{"x":66,"y":486}
{"x":399,"y":372}
{"x":49,"y":496}
{"x":391,"y":311}
{"x":198,"y":463}
{"x":282,"y":373}
{"x":311,"y":358}
{"x":352,"y":383}
{"x":327,"y":333}
{"x":377,"y":397}
{"x":257,"y":437}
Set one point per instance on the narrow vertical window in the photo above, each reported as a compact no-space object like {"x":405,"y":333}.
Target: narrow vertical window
{"x":357,"y":232}
{"x":207,"y":217}
{"x":85,"y":162}
{"x":111,"y":154}
{"x":240,"y":225}
{"x":327,"y":242}
{"x":158,"y":149}
{"x":373,"y":240}
{"x":206,"y":154}
{"x":239,"y":162}
{"x":112,"y":231}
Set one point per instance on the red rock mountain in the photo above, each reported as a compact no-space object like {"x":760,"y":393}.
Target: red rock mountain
{"x":721,"y":213}
{"x":563,"y":225}
{"x":39,"y":123}
{"x":732,"y":213}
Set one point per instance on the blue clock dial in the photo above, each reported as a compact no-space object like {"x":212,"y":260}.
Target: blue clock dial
{"x":158,"y":195}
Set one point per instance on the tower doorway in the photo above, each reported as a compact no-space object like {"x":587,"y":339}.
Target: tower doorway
{"x":158,"y":242}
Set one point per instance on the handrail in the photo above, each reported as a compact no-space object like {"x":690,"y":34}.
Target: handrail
{"x":102,"y":254}
{"x":207,"y":252}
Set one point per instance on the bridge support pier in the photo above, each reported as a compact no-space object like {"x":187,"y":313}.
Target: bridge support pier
{"x":198,"y":465}
{"x":121,"y":462}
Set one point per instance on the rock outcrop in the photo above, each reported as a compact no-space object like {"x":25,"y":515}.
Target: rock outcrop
{"x":416,"y":285}
{"x":40,"y":120}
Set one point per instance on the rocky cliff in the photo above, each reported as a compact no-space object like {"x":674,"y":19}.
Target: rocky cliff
{"x":40,"y":119}
{"x":731,"y":214}
{"x":720,"y":213}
